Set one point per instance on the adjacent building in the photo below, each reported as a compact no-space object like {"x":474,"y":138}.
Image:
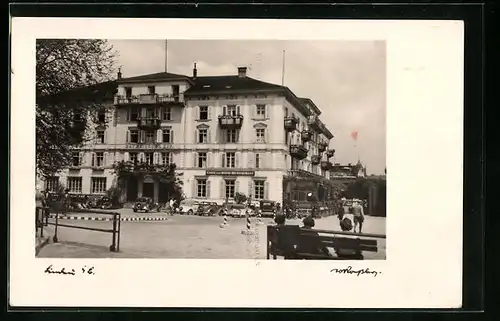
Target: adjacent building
{"x":226,"y":134}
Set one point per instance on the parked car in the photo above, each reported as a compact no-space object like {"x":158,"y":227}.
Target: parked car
{"x":188,"y":207}
{"x":146,"y":204}
{"x":237,"y":210}
{"x":267,"y":208}
{"x":207,"y":209}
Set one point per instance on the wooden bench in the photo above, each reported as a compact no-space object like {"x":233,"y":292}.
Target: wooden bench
{"x":288,"y":240}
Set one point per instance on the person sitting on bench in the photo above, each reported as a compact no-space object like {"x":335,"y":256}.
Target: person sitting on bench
{"x":311,"y":245}
{"x":280,"y":219}
{"x":348,"y":254}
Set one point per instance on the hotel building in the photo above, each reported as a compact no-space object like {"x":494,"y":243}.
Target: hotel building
{"x":226,"y":134}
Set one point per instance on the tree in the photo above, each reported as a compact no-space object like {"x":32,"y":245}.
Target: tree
{"x":240,"y":198}
{"x":72,"y":84}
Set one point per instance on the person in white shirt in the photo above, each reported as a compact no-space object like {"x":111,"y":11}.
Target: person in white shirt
{"x":358,"y":216}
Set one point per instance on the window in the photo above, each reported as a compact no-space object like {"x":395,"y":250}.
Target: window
{"x":150,"y":137}
{"x":166,"y":113}
{"x":286,"y":112}
{"x":231,"y":136}
{"x":151,"y":90}
{"x":75,"y":184}
{"x":166,"y":135}
{"x":134,"y":136}
{"x":128,"y":92}
{"x":261,"y":111}
{"x":202,"y":160}
{"x":203,"y":112}
{"x":99,"y":158}
{"x":201,"y":187}
{"x":260,"y":135}
{"x":165,"y":158}
{"x":149,"y":158}
{"x":230,"y":186}
{"x":230,"y":160}
{"x":151,"y":112}
{"x":134,"y":113}
{"x":203,"y":135}
{"x":51,"y":184}
{"x":101,"y":116}
{"x":257,"y":160}
{"x":259,"y":190}
{"x":133,"y":157}
{"x":175,"y":91}
{"x":232,"y":110}
{"x":100,"y":137}
{"x":98,"y":185}
{"x":76,"y":160}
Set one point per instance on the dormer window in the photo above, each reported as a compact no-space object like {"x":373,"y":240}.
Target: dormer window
{"x":128,"y":92}
{"x":151,"y":90}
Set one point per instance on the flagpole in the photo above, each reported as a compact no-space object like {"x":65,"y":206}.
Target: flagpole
{"x":283,"y":70}
{"x":166,"y":55}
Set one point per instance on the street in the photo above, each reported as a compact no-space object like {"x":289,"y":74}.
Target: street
{"x":182,"y":237}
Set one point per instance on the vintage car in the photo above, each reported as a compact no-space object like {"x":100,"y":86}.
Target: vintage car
{"x":188,"y":207}
{"x":237,"y":210}
{"x":267,"y":208}
{"x":146,"y":204}
{"x":207,"y":209}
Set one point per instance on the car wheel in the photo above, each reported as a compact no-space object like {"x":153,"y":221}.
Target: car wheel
{"x":190,"y":212}
{"x":146,"y":211}
{"x":135,"y":211}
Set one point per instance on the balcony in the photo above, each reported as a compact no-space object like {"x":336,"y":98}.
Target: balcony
{"x":151,"y":99}
{"x":313,"y":122}
{"x":291,"y":123}
{"x":326,"y":165}
{"x":230,"y":121}
{"x":330,"y":153}
{"x":322,"y":146}
{"x":298,"y":151}
{"x":315,"y":159}
{"x":149,"y":123}
{"x":306,"y":135}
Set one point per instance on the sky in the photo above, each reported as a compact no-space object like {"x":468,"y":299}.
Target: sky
{"x":345,"y":79}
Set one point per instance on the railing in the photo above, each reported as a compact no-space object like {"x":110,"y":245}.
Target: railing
{"x":231,"y":121}
{"x":315,"y":159}
{"x":298,"y":151}
{"x":330,"y":153}
{"x":149,"y":99}
{"x":149,"y":122}
{"x":115,"y":230}
{"x":290,"y":123}
{"x":41,"y":219}
{"x":306,"y":135}
{"x":322,"y":146}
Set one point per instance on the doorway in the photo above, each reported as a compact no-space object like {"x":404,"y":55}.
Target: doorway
{"x":148,"y":190}
{"x":163,"y":195}
{"x":131,"y":189}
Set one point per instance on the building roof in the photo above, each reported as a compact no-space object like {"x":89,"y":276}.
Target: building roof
{"x":311,"y":103}
{"x":159,"y":76}
{"x":212,"y":84}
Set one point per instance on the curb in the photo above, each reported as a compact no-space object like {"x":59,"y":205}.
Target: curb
{"x":127,"y":219}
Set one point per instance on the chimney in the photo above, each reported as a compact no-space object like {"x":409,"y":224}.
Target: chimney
{"x":195,"y":71}
{"x":242,"y":72}
{"x":119,"y":73}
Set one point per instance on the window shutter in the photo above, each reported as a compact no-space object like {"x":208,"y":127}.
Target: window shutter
{"x":223,"y":160}
{"x":266,"y":135}
{"x":254,"y":111}
{"x":266,"y":111}
{"x":222,"y":192}
{"x":237,"y":186}
{"x":128,"y":114}
{"x":196,"y":136}
{"x":93,"y":159}
{"x":208,"y":189}
{"x":126,"y":156}
{"x":193,"y":186}
{"x":238,"y":110}
{"x":195,"y":164}
{"x":251,"y":157}
{"x":155,"y":158}
{"x":209,"y":136}
{"x":237,"y":157}
{"x":250,"y":190}
{"x":224,"y":110}
{"x":209,"y":112}
{"x":105,"y":136}
{"x":142,"y":157}
{"x":266,"y":190}
{"x":171,"y":136}
{"x":127,"y":139}
{"x":82,"y":160}
{"x":198,"y":111}
{"x":209,"y":160}
{"x":159,"y":136}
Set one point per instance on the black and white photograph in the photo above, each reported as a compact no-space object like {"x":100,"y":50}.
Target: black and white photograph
{"x":186,"y":163}
{"x":218,"y":149}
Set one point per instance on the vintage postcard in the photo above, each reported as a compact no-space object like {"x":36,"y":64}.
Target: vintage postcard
{"x":251,"y":164}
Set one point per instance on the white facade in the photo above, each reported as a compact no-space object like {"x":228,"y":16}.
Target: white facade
{"x":260,"y":146}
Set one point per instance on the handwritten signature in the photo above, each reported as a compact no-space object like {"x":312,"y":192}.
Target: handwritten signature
{"x":349,"y":270}
{"x":84,"y":270}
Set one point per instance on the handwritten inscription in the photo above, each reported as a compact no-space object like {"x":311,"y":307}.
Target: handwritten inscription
{"x":350,"y":271}
{"x":64,"y":271}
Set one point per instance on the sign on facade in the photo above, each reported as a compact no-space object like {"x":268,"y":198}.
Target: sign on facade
{"x":230,"y":173}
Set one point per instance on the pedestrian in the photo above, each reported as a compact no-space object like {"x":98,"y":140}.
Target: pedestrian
{"x":343,"y":253}
{"x":280,"y":220}
{"x":358,"y":216}
{"x":311,"y":245}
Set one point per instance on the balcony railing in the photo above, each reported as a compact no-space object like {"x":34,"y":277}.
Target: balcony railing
{"x":290,"y":123}
{"x":149,"y":99}
{"x":315,"y":159}
{"x":330,"y":153}
{"x":322,"y":146}
{"x":231,"y":121}
{"x":306,"y":135}
{"x":150,"y":123}
{"x":326,"y":165}
{"x":298,"y":151}
{"x":313,"y":122}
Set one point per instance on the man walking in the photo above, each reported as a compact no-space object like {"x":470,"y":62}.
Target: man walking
{"x":359,"y":215}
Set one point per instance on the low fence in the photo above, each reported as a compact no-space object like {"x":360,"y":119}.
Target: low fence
{"x":115,"y":230}
{"x":41,"y":219}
